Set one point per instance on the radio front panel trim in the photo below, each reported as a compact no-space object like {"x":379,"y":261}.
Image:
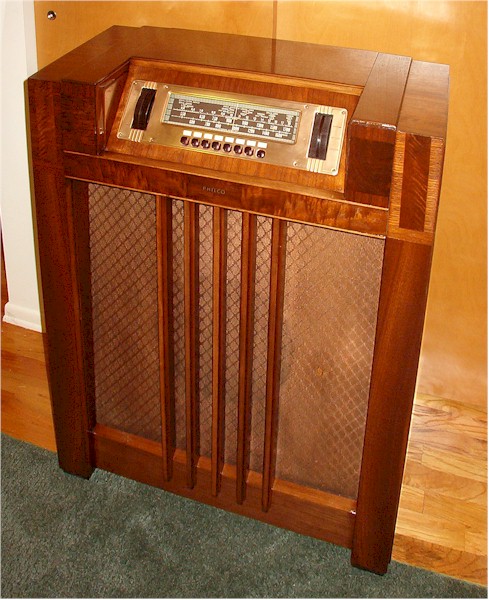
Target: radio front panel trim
{"x":239,"y":126}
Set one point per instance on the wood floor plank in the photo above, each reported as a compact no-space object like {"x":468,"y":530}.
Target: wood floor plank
{"x":476,"y":542}
{"x":452,"y":441}
{"x":456,"y":463}
{"x":449,"y":561}
{"x":28,"y":419}
{"x":440,"y":506}
{"x":436,"y":530}
{"x":417,"y":475}
{"x":449,"y":416}
{"x":412,"y":498}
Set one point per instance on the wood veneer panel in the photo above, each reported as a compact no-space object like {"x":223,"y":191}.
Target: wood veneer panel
{"x":44,"y":120}
{"x":425,"y":104}
{"x":290,"y":202}
{"x":371,"y":134}
{"x":416,"y":183}
{"x":62,"y":320}
{"x":95,"y":58}
{"x":402,"y":303}
{"x":78,"y":114}
{"x":56,"y":238}
{"x":417,"y":152}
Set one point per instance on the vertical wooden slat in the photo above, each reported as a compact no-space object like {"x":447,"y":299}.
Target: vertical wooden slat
{"x":165,"y":331}
{"x":248,"y":270}
{"x":191,"y":309}
{"x":275,"y":320}
{"x":218,"y":345}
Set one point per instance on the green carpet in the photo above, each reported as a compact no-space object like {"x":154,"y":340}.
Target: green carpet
{"x":110,"y":537}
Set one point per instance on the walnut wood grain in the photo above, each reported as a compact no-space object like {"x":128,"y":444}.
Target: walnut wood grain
{"x":56,"y":239}
{"x":417,"y":152}
{"x":274,"y":354}
{"x":165,"y":332}
{"x":294,"y":203}
{"x":371,"y":134}
{"x":191,"y":266}
{"x":403,"y":295}
{"x":416,"y":183}
{"x":219,"y":278}
{"x":246,"y":329}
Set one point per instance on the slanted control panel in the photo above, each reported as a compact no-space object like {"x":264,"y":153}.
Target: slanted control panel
{"x":278,"y":132}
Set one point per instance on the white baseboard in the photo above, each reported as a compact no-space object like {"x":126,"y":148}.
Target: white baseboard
{"x":22,"y":317}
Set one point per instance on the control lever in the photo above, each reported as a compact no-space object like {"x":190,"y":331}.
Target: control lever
{"x":320,"y":136}
{"x":143,"y":108}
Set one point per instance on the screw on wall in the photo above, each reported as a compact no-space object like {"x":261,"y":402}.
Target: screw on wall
{"x":51,"y":15}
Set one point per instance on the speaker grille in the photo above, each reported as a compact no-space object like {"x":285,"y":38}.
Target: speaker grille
{"x":330,"y":311}
{"x":331,"y":292}
{"x":124,"y":310}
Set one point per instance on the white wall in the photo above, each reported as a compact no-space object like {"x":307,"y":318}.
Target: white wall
{"x":18,"y":61}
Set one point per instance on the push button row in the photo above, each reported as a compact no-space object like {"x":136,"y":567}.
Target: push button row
{"x":228,"y":145}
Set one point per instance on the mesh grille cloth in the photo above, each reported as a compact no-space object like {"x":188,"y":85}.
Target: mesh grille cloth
{"x":260,"y":339}
{"x":205,"y":327}
{"x":179,"y":321}
{"x":233,"y":284}
{"x":124,"y":310}
{"x":331,"y":299}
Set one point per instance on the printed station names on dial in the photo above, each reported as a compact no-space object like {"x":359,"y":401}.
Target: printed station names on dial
{"x":232,"y":116}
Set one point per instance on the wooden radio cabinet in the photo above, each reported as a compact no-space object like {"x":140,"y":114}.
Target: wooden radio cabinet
{"x":235,"y":237}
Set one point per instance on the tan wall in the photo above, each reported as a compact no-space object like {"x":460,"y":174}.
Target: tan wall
{"x":453,"y":362}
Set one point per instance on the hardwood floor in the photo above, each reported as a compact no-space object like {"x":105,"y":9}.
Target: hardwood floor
{"x":443,"y":510}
